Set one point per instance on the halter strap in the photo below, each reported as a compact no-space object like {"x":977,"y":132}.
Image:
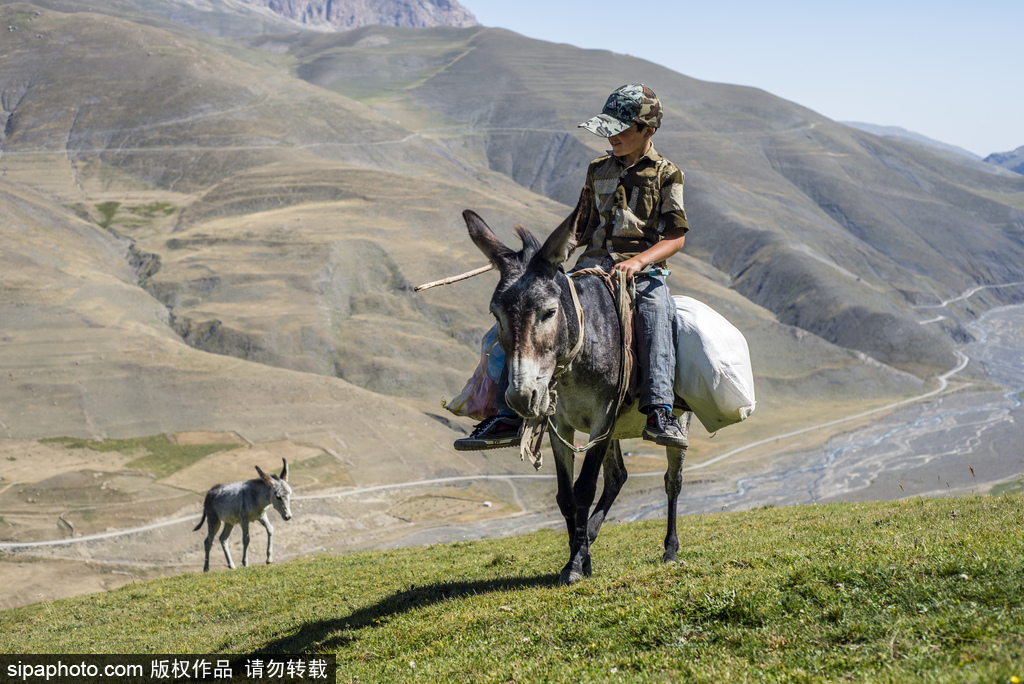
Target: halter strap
{"x":563,"y":364}
{"x":622,"y":292}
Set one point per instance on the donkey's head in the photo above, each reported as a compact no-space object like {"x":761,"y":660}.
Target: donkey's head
{"x":280,"y":490}
{"x":528,"y":305}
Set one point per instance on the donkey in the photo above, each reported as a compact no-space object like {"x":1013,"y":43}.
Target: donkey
{"x":538,"y":325}
{"x":241,"y":503}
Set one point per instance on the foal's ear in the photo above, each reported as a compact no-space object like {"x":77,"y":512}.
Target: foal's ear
{"x":263,"y":476}
{"x":485,"y":239}
{"x":566,"y":236}
{"x":284,"y":471}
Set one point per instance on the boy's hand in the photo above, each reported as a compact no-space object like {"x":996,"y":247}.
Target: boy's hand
{"x":670,"y":243}
{"x":630,"y":267}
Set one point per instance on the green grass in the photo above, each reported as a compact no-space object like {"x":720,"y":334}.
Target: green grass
{"x":918,"y":590}
{"x":1014,"y":487}
{"x":153,"y":209}
{"x":139,"y":215}
{"x":161,"y":458}
{"x":108,"y":210}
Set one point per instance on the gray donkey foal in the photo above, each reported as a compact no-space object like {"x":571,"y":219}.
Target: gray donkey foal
{"x":241,"y":503}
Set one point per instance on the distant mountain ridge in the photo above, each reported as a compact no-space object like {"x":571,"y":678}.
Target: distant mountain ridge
{"x":237,"y":19}
{"x":1014,"y":161}
{"x":903,"y":133}
{"x":343,"y":15}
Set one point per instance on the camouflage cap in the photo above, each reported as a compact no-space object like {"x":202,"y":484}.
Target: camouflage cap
{"x":629,"y":104}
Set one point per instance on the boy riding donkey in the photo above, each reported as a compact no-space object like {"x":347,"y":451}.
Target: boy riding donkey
{"x":636,"y":224}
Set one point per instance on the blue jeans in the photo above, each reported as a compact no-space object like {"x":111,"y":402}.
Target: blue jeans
{"x":655,"y":331}
{"x":654,"y":325}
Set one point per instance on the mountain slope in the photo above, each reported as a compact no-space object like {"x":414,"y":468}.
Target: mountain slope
{"x":283,"y":223}
{"x":87,"y":352}
{"x":102,"y":195}
{"x":836,"y":231}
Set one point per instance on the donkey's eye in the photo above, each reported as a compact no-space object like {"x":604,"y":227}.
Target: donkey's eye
{"x":548,"y":315}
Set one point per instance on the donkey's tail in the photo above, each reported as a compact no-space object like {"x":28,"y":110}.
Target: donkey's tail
{"x":201,"y":521}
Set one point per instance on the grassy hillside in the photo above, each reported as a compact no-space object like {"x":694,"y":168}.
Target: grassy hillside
{"x":918,"y":590}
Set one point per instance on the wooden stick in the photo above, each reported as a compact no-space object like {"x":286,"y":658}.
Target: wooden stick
{"x":455,"y":278}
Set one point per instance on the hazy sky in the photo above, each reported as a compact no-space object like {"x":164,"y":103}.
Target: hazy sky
{"x":950,"y":70}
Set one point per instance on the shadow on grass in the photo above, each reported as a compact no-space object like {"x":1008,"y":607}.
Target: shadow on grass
{"x":330,"y":635}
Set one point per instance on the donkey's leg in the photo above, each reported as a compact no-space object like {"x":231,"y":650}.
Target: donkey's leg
{"x":564,"y":465}
{"x":265,"y":521}
{"x":673,"y":483}
{"x":583,"y":495}
{"x":245,"y":542}
{"x":614,"y":478}
{"x":212,"y":525}
{"x":224,"y":543}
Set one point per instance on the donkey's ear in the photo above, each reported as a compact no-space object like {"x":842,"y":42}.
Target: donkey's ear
{"x":263,"y":476}
{"x":485,"y":239}
{"x":284,"y":471}
{"x":566,"y":236}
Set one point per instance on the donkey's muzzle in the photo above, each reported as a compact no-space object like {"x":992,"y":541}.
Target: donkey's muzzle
{"x":528,"y":392}
{"x":536,"y":402}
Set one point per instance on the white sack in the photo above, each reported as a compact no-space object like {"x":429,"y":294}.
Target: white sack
{"x":713,"y":371}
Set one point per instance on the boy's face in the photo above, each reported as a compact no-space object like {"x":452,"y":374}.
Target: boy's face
{"x":630,"y":143}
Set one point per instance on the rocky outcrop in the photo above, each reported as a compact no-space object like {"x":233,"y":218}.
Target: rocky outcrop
{"x":343,"y":15}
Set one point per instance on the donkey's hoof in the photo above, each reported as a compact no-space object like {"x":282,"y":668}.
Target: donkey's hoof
{"x":588,"y":569}
{"x":569,"y":576}
{"x":565,"y":579}
{"x":668,"y":558}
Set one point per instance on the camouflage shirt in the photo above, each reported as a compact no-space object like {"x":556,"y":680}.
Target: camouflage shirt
{"x":633,"y":207}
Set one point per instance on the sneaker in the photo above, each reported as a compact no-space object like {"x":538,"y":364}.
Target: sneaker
{"x":663,"y":428}
{"x":496,"y":432}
